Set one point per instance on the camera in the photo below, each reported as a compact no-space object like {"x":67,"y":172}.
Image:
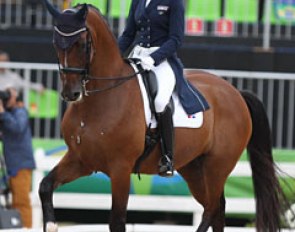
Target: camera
{"x":4,"y":96}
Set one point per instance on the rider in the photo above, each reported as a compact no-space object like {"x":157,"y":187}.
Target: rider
{"x":155,"y":30}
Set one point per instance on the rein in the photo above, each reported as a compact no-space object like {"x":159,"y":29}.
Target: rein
{"x":121,"y":80}
{"x":84,"y":72}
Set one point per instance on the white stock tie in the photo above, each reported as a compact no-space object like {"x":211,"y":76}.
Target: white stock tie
{"x":147,"y":3}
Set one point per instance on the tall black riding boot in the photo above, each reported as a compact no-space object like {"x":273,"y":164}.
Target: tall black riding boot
{"x":167,"y":142}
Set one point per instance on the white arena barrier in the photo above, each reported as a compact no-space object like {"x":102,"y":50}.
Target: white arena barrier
{"x":136,"y":228}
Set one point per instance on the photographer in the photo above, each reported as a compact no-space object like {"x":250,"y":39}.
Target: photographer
{"x":10,"y":79}
{"x":18,"y":152}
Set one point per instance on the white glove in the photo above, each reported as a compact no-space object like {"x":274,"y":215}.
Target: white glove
{"x":147,"y":63}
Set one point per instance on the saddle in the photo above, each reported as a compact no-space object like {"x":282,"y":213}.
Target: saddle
{"x":150,"y":83}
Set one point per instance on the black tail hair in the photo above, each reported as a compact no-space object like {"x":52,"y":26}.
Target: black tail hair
{"x":270,"y":199}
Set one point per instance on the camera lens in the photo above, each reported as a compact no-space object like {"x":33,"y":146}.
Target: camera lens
{"x":4,"y":96}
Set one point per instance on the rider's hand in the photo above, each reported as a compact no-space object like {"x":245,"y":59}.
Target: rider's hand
{"x":147,"y":63}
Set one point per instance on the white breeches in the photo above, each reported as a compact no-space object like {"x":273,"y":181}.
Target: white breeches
{"x":164,"y":75}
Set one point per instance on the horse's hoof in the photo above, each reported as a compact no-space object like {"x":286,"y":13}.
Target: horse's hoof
{"x":51,"y":227}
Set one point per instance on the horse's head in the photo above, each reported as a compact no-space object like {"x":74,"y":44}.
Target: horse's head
{"x":87,"y":52}
{"x":72,"y":42}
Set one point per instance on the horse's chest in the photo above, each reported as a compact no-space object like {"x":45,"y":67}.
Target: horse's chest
{"x":86,"y":136}
{"x":73,"y":133}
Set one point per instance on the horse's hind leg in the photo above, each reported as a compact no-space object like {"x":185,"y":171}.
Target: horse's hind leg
{"x":207,"y":189}
{"x":68,"y":169}
{"x":193,"y":174}
{"x":219,"y":218}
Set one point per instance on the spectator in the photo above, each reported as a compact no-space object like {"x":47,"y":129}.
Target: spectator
{"x":67,"y":4}
{"x":18,"y":153}
{"x":10,"y":79}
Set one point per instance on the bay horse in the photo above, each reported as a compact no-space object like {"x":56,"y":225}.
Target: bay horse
{"x":104,"y":128}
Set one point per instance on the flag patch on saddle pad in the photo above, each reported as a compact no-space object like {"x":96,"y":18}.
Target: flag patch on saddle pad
{"x":191,"y":116}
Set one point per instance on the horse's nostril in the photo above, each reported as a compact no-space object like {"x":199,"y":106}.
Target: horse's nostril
{"x":77,"y":95}
{"x":71,"y":96}
{"x":64,"y":96}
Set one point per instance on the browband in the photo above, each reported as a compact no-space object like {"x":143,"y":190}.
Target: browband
{"x":71,"y":33}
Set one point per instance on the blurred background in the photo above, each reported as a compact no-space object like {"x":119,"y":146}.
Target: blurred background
{"x":215,"y":29}
{"x":250,"y":43}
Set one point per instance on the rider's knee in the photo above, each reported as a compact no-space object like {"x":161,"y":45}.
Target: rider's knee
{"x":160,"y":104}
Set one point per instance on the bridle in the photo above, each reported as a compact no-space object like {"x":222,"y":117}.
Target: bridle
{"x":84,"y":72}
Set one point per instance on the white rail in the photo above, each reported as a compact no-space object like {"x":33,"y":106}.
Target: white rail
{"x":253,"y":75}
{"x":137,"y":228}
{"x":227,"y":73}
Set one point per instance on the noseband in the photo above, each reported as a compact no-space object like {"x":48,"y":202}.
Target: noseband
{"x":84,"y":72}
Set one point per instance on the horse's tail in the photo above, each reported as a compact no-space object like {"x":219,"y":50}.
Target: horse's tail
{"x":270,"y":198}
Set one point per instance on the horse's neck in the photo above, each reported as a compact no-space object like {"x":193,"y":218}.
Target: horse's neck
{"x":107,"y":59}
{"x":108,"y":62}
{"x":111,"y":107}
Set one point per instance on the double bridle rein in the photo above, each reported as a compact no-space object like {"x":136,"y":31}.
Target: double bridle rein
{"x":84,"y":72}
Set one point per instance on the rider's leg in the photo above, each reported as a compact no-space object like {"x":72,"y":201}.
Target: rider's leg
{"x":166,"y":84}
{"x":167,"y":139}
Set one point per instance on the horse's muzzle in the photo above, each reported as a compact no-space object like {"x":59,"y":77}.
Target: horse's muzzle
{"x":71,"y":96}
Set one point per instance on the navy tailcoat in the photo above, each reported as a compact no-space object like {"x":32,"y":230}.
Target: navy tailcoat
{"x":161,"y":24}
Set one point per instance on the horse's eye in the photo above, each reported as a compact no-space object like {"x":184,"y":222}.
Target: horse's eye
{"x":83,"y":45}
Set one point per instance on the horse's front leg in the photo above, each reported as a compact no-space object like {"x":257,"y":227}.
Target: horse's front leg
{"x":68,"y":169}
{"x":120,"y":193}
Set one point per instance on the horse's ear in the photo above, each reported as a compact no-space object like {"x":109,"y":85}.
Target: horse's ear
{"x":82,"y":13}
{"x":52,"y":10}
